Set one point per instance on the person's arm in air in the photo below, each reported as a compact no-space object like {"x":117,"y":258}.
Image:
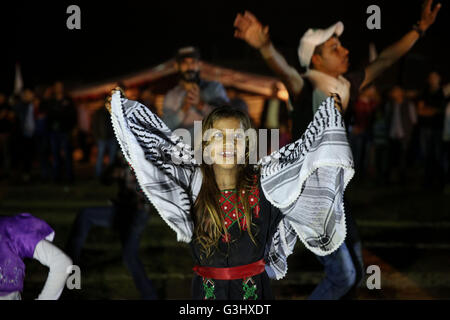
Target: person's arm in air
{"x":397,"y":50}
{"x":155,"y":153}
{"x":249,"y":29}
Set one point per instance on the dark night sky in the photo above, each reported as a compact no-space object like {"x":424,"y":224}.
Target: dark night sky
{"x":131,"y":35}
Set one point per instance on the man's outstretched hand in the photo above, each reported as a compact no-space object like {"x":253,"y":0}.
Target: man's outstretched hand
{"x":249,"y":29}
{"x":428,"y":16}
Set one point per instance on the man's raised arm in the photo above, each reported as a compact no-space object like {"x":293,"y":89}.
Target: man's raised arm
{"x":249,"y":29}
{"x":394,"y":52}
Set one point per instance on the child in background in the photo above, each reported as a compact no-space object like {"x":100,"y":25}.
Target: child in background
{"x":25,"y":236}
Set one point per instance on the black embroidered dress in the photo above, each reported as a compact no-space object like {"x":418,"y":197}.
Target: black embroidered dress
{"x":237,"y":248}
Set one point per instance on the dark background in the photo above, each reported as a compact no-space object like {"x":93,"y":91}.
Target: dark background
{"x":405,"y":229}
{"x":121,"y":37}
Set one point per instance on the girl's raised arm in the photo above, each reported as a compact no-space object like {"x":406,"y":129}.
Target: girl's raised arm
{"x":306,"y":181}
{"x":164,"y":166}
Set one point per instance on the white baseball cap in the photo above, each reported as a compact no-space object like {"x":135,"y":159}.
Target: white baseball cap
{"x":313,"y":38}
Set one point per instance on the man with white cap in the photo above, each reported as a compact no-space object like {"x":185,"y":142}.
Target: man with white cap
{"x":327,"y":62}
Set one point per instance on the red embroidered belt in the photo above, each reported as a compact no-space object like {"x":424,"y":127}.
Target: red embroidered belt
{"x":233,"y":273}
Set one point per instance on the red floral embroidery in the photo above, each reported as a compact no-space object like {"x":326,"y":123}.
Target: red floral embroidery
{"x":228,"y":202}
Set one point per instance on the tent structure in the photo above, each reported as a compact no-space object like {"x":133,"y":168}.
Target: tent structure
{"x":252,"y":88}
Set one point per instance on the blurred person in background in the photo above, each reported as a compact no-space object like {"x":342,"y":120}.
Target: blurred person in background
{"x":25,"y":113}
{"x":42,"y":133}
{"x":360,"y":133}
{"x":103,"y":134}
{"x":128,"y":215}
{"x":15,"y":135}
{"x":7,"y":119}
{"x":193,"y":97}
{"x":431,"y":115}
{"x":83,"y":132}
{"x":401,"y":117}
{"x":62,"y":118}
{"x":380,"y":145}
{"x":446,"y":134}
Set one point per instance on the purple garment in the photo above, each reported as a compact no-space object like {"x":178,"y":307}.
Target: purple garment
{"x":19,"y":236}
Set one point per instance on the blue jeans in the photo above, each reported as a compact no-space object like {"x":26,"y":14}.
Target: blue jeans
{"x":112,"y":147}
{"x":130,"y":234}
{"x":342,"y":273}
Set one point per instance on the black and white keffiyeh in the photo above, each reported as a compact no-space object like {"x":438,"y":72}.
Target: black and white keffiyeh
{"x":305,"y":179}
{"x":165,"y":167}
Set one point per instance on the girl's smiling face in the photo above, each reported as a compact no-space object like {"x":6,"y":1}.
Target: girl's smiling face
{"x":225,"y":143}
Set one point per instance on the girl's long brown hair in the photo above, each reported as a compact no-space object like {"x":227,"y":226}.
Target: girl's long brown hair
{"x":209,"y":224}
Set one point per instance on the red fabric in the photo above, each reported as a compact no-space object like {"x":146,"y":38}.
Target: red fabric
{"x":240,"y":272}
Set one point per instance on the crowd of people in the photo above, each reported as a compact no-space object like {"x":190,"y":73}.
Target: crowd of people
{"x":401,"y":136}
{"x":42,"y":128}
{"x":396,"y":135}
{"x":36,"y":126}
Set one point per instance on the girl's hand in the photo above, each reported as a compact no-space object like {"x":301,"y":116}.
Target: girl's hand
{"x":108,"y":101}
